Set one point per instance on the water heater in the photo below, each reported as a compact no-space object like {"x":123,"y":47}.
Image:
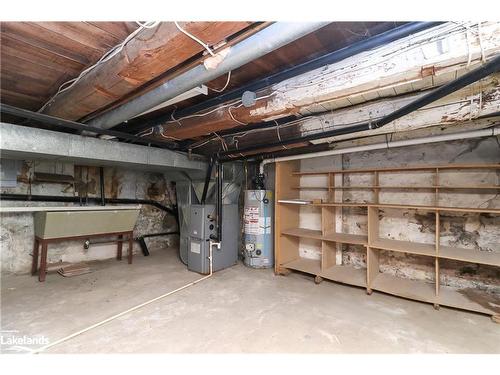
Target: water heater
{"x":258,"y":228}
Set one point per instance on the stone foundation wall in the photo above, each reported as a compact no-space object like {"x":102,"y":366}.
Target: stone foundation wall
{"x":477,"y":232}
{"x":16,"y":229}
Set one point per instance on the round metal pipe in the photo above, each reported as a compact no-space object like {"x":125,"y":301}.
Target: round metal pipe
{"x":265,"y":41}
{"x":491,"y":132}
{"x":329,"y":58}
{"x":475,"y":75}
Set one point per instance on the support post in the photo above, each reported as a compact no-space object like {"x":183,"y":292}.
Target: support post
{"x":120,"y":246}
{"x":43,"y":262}
{"x":34,"y":264}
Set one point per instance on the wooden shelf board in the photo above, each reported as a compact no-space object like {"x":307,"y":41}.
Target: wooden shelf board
{"x":484,"y":187}
{"x":469,"y":299}
{"x":418,"y":290}
{"x":304,"y":233}
{"x":470,"y":255}
{"x":404,"y":246}
{"x":436,"y":208}
{"x":346,"y":275}
{"x":396,"y":169}
{"x":310,"y":187}
{"x":341,"y":204}
{"x":487,"y":187}
{"x":296,"y":202}
{"x":355,"y":239}
{"x":397,"y":206}
{"x":311,"y":266}
{"x":309,"y":202}
{"x":389,"y":187}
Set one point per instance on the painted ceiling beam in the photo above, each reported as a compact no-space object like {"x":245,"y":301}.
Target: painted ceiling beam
{"x":477,"y":102}
{"x":148,"y":55}
{"x":427,"y":59}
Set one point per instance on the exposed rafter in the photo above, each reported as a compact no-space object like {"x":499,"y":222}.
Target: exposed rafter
{"x":151,"y":53}
{"x":428,"y":59}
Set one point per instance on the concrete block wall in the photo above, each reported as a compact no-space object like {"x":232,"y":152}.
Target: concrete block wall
{"x":480,"y":232}
{"x":16,"y":229}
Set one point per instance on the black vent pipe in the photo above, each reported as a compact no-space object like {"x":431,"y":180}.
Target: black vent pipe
{"x":207,"y":180}
{"x":329,"y":58}
{"x":55,"y":198}
{"x":101,"y":183}
{"x":465,"y":80}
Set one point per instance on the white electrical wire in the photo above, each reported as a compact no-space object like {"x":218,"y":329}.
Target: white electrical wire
{"x":220,"y":107}
{"x":202,"y":114}
{"x":106,"y":57}
{"x":225,"y":86}
{"x":245,"y":132}
{"x":202,"y":144}
{"x":483,"y":55}
{"x":57,"y":342}
{"x":222,"y":141}
{"x":209,"y":50}
{"x":145,"y":134}
{"x":168,"y":137}
{"x":147,"y":24}
{"x":178,"y":121}
{"x":173,"y":118}
{"x":278,"y":133}
{"x":232,"y":117}
{"x":469,"y":48}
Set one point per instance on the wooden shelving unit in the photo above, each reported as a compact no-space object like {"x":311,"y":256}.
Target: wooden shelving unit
{"x":289,"y":233}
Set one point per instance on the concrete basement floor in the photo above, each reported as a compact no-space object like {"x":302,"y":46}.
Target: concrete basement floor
{"x":238,"y":310}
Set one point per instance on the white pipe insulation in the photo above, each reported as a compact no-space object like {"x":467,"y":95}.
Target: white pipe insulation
{"x":378,"y":146}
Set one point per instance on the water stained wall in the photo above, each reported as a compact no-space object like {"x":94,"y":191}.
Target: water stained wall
{"x":68,"y":179}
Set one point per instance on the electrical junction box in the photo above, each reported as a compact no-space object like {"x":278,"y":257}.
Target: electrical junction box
{"x":203,"y":224}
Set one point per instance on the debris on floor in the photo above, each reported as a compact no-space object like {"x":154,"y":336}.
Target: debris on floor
{"x":74,"y":270}
{"x":56,"y":266}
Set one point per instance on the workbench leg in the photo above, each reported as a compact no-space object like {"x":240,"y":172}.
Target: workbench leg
{"x":120,"y":245}
{"x":130,"y":244}
{"x":43,"y":263}
{"x":34,"y":263}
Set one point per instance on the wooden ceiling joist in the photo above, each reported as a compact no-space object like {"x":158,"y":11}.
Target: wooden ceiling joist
{"x":145,"y":57}
{"x":394,"y":69}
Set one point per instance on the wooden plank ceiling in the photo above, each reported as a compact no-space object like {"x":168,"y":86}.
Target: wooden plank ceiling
{"x":37,"y":57}
{"x":332,"y":37}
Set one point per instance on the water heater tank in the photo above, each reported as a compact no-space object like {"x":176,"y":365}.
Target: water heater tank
{"x":258,"y":219}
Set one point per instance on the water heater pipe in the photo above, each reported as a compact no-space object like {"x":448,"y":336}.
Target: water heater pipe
{"x":490,"y":132}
